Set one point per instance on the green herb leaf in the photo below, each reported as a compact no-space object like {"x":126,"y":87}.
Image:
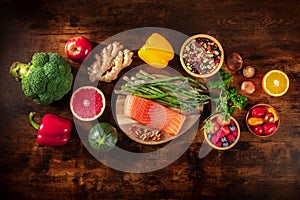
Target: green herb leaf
{"x":228,"y":98}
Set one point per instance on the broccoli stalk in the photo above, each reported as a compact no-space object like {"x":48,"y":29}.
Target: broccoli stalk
{"x":45,"y":79}
{"x":19,"y":70}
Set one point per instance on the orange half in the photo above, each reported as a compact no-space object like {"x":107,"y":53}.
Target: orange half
{"x":275,"y":83}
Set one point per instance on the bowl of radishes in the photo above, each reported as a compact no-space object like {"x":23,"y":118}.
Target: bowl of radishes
{"x":262,"y":120}
{"x":223,"y":134}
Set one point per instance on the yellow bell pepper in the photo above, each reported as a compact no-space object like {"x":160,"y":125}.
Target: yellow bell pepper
{"x":272,"y":110}
{"x":157,"y":51}
{"x":253,"y":121}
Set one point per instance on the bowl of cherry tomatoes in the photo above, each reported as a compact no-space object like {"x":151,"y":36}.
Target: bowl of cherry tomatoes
{"x":223,"y":134}
{"x":262,"y":120}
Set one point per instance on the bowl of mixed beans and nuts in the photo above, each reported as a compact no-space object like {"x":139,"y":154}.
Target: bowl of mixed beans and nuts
{"x":201,"y":55}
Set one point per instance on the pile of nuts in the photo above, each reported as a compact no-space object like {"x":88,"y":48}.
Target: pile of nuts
{"x":144,"y":133}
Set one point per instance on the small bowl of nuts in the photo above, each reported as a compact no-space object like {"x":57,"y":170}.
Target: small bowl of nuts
{"x":201,"y":56}
{"x":224,"y":134}
{"x":262,"y":120}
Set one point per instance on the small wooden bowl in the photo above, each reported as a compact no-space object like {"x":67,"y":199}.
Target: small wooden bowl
{"x":215,"y":69}
{"x":249,"y":126}
{"x":237,"y":137}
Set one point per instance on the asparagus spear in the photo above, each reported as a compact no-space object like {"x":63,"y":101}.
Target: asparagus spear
{"x":175,"y":91}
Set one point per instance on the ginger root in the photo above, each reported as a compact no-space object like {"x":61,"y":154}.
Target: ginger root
{"x":109,"y":62}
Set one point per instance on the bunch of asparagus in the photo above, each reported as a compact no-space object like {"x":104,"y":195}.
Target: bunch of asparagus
{"x":179,"y":93}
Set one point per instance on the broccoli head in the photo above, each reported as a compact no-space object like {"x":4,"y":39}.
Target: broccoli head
{"x":45,"y":79}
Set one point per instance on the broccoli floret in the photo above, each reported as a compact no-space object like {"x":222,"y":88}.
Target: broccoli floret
{"x":34,"y":82}
{"x":45,"y":79}
{"x":39,"y":59}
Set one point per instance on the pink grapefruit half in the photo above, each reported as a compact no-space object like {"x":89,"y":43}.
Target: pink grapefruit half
{"x":87,"y":103}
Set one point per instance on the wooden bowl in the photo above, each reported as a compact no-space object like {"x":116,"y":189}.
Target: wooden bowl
{"x":250,"y":128}
{"x":208,"y":136}
{"x":210,"y":55}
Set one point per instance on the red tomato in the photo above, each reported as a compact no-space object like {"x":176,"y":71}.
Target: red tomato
{"x":269,"y":118}
{"x":269,"y":128}
{"x":258,"y":111}
{"x":258,"y":130}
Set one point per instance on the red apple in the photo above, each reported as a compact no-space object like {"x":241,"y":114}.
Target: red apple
{"x":77,"y":48}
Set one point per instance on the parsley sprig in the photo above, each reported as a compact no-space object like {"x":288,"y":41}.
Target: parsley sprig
{"x":227,"y":100}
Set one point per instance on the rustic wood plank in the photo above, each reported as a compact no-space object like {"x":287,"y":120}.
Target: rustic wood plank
{"x":265,"y":33}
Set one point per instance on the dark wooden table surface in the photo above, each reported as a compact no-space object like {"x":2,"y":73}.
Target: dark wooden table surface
{"x":265,"y":33}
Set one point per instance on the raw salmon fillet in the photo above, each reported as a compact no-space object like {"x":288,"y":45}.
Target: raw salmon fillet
{"x":153,"y":114}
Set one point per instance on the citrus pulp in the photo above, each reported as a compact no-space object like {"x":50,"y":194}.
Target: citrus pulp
{"x":87,"y":103}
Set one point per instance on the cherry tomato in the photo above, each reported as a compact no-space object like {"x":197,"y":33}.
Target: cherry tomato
{"x":253,"y":121}
{"x":273,"y":111}
{"x":269,"y":128}
{"x":258,"y":130}
{"x":258,"y":111}
{"x":269,"y":118}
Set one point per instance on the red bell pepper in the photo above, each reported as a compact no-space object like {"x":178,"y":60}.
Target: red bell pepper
{"x":53,"y":130}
